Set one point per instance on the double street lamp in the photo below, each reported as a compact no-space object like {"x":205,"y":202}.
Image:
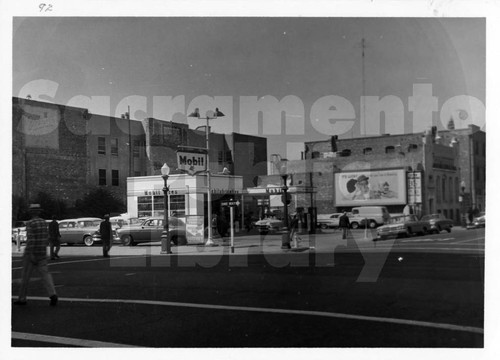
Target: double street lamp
{"x":209,"y":115}
{"x":165,"y":236}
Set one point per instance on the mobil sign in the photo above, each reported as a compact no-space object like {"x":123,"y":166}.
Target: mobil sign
{"x":191,"y":161}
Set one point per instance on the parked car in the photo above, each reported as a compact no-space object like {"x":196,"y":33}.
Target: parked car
{"x":96,"y":236}
{"x":19,"y":232}
{"x":150,"y":230}
{"x":328,"y":221}
{"x":478,"y":222}
{"x":402,"y":225}
{"x":79,"y":231}
{"x":437,"y":223}
{"x":270,"y":224}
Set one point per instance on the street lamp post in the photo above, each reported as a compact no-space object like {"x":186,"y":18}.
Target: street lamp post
{"x":285,"y":238}
{"x":208,"y":116}
{"x":165,"y":236}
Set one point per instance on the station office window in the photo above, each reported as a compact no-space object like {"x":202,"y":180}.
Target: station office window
{"x":115,"y":178}
{"x":114,"y":147}
{"x":389,"y":149}
{"x":102,"y":176}
{"x":101,"y":146}
{"x":367,"y":150}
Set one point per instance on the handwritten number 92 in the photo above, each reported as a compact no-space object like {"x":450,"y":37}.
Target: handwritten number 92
{"x":45,"y":7}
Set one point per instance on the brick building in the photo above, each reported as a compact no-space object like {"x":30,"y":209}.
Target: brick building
{"x":430,"y":172}
{"x":66,"y":152}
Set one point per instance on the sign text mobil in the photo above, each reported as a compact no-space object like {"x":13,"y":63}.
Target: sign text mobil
{"x":191,"y":162}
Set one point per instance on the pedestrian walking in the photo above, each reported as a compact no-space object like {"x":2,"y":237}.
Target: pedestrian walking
{"x":35,"y":256}
{"x":344,"y":224}
{"x":105,"y":231}
{"x":54,"y":239}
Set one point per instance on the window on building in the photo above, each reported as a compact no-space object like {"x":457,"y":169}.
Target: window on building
{"x":166,"y":130}
{"x":443,"y":188}
{"x":438,"y":187}
{"x":220,"y":157}
{"x":115,"y":178}
{"x":136,"y":148}
{"x":156,"y":128}
{"x":315,"y":154}
{"x":412,"y":147}
{"x":228,"y":156}
{"x":345,"y":152}
{"x":144,"y":206}
{"x":102,"y":176}
{"x":101,"y":146}
{"x":450,"y":189}
{"x":367,"y":150}
{"x":114,"y":147}
{"x":176,"y":205}
{"x":389,"y":149}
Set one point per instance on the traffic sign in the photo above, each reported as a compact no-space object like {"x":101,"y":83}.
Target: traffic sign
{"x":230,"y":203}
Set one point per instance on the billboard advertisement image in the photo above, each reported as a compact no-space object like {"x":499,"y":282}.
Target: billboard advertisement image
{"x":370,"y":187}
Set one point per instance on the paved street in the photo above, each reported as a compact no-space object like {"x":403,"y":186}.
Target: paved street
{"x":422,"y":291}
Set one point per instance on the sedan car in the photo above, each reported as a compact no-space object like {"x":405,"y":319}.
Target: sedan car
{"x":79,"y":231}
{"x":269,"y":225}
{"x":328,"y":221}
{"x":437,"y":223}
{"x":478,"y":222}
{"x":402,"y":225}
{"x":19,"y":232}
{"x":151,"y":229}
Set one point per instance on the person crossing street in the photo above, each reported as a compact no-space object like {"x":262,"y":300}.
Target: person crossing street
{"x":35,"y":256}
{"x":344,"y":224}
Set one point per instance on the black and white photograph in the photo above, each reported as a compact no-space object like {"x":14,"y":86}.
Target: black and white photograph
{"x":197,"y":178}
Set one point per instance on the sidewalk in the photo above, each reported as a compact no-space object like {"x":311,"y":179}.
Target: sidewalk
{"x":246,"y":244}
{"x":243,"y":244}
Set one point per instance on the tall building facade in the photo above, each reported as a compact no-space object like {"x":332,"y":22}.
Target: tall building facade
{"x":66,"y":152}
{"x":431,"y":172}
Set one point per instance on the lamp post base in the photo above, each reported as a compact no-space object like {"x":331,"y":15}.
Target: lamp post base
{"x":165,"y":244}
{"x":210,"y":242}
{"x":285,"y":240}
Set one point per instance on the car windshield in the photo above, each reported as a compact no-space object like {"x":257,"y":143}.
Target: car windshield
{"x":429,"y":217}
{"x":89,"y":223}
{"x":397,"y":220}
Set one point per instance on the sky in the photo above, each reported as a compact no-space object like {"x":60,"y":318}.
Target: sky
{"x":164,"y":67}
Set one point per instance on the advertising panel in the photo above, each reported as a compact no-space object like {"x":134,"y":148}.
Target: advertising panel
{"x":194,"y":229}
{"x":191,"y":162}
{"x":370,"y":187}
{"x":415,"y":187}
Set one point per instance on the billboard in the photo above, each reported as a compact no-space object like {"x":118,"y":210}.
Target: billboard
{"x":370,"y":187}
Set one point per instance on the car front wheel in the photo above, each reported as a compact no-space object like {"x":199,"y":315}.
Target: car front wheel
{"x":88,"y":241}
{"x":127,"y":240}
{"x":354,"y":225}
